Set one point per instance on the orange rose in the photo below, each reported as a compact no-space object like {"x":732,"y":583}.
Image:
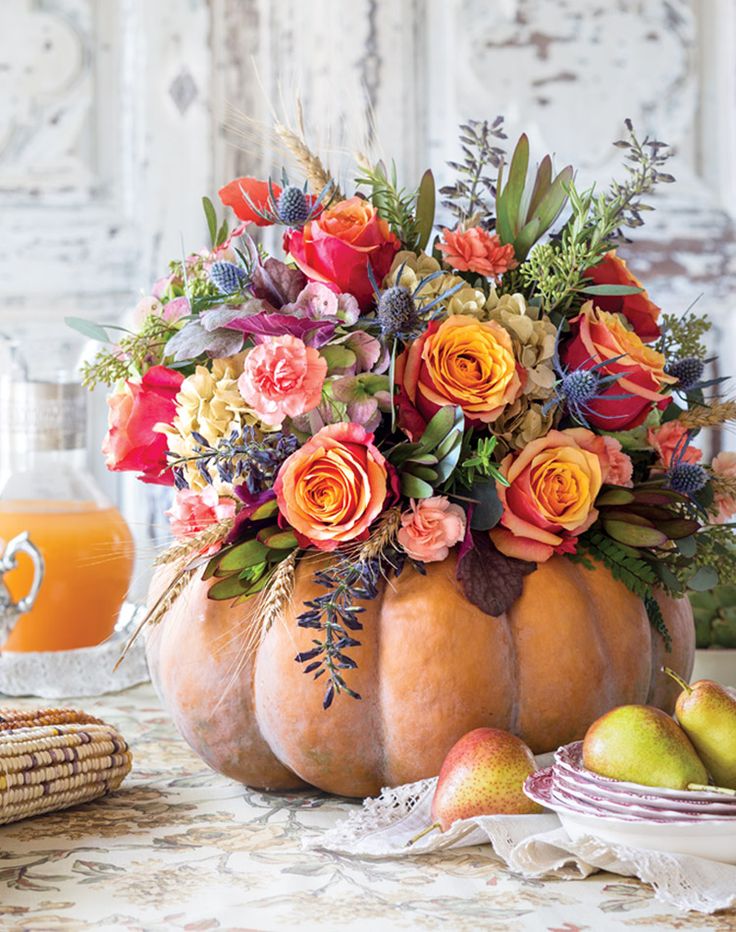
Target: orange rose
{"x":553,"y":485}
{"x":625,"y":403}
{"x":338,"y":246}
{"x":334,"y":487}
{"x":461,"y":361}
{"x":641,"y":313}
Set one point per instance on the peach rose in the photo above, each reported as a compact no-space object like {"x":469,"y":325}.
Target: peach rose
{"x":338,"y":246}
{"x":724,"y":502}
{"x":193,"y":511}
{"x":638,"y":309}
{"x":620,"y":467}
{"x":477,"y":250}
{"x":550,"y":499}
{"x":599,"y":339}
{"x":333,"y":488}
{"x":669,"y":441}
{"x":430,"y":528}
{"x":461,"y":361}
{"x":282,"y":377}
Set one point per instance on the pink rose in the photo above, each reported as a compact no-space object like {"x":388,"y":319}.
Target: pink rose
{"x":282,"y":377}
{"x":620,"y":467}
{"x":724,"y":503}
{"x":131,"y":443}
{"x":430,"y":528}
{"x":669,"y":441}
{"x":194,"y":511}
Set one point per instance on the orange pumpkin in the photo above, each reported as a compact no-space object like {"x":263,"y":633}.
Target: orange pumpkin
{"x":431,"y":667}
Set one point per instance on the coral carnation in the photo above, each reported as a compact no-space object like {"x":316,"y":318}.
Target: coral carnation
{"x":670,"y":443}
{"x":724,"y":501}
{"x":477,"y":250}
{"x":195,"y":511}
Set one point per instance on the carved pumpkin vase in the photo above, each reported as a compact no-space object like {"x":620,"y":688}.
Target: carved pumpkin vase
{"x":431,"y":667}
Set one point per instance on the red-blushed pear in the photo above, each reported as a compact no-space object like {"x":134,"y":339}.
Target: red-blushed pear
{"x":483,"y":774}
{"x":641,"y":744}
{"x":707,"y":714}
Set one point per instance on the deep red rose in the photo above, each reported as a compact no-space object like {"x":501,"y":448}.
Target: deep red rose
{"x":337,"y":247}
{"x":638,"y":309}
{"x":131,"y":444}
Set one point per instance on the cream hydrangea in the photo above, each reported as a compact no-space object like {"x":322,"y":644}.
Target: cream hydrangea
{"x":210,"y":403}
{"x":409,"y":269}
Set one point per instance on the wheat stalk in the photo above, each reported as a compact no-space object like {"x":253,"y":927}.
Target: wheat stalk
{"x":279,"y":592}
{"x":193,"y":546}
{"x":383,"y":537}
{"x":710,"y":415}
{"x":318,"y":177}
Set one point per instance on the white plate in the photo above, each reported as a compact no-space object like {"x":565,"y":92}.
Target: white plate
{"x":713,"y":840}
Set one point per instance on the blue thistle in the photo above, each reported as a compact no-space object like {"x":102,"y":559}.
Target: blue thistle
{"x":688,"y":372}
{"x":292,"y":207}
{"x":227,"y":277}
{"x":686,"y":478}
{"x":580,"y":386}
{"x":397,"y":311}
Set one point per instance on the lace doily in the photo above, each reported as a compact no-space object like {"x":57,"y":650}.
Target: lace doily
{"x":84,"y":672}
{"x":533,"y":845}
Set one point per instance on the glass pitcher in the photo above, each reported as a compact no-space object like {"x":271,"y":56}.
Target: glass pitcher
{"x":47,"y":493}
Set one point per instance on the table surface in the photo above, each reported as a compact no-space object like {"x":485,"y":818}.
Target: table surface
{"x":179,"y":847}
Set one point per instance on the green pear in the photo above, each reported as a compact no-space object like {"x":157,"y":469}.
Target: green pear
{"x":707,"y":713}
{"x":483,"y":774}
{"x":641,"y":744}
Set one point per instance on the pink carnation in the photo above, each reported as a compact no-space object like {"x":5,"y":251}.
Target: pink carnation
{"x":194,"y":511}
{"x":724,"y":466}
{"x":430,"y":528}
{"x":282,"y":377}
{"x":669,"y":441}
{"x":321,"y":302}
{"x":620,"y":467}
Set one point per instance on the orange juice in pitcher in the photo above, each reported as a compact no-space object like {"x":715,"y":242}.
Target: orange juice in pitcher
{"x":46,"y":492}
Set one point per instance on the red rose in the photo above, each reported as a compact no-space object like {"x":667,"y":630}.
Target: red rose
{"x":641,"y":313}
{"x":337,"y":247}
{"x":598,"y":337}
{"x":258,"y":193}
{"x":131,"y":444}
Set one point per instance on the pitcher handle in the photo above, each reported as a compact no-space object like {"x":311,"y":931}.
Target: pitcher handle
{"x":22,"y":544}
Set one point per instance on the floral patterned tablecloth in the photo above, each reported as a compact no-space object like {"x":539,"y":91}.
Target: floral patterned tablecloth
{"x":179,"y":847}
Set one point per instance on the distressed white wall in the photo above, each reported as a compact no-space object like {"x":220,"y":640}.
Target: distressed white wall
{"x":113,"y":115}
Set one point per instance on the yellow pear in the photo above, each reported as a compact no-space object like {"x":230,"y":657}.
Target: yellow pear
{"x":641,"y":744}
{"x":483,"y":774}
{"x":707,"y":713}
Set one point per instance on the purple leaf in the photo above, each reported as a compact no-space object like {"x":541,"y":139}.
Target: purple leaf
{"x":490,"y":580}
{"x":312,"y":332}
{"x":277,"y":282}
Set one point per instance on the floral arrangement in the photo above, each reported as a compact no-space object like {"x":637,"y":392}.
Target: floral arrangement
{"x":494,"y":390}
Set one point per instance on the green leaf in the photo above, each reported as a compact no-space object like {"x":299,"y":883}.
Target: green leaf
{"x":704,"y":578}
{"x":610,"y":289}
{"x":283,"y":540}
{"x":526,"y":238}
{"x":488,"y":508}
{"x":555,"y":199}
{"x":337,"y":357}
{"x":633,"y":534}
{"x":211,"y":216}
{"x":514,"y":190}
{"x":424,"y":472}
{"x":266,"y":510}
{"x":438,"y":427}
{"x":222,"y":232}
{"x":687,"y":546}
{"x":88,"y":329}
{"x":228,"y":588}
{"x":425,"y":209}
{"x":413,"y":487}
{"x":542,"y":184}
{"x":249,"y":553}
{"x":615,"y":496}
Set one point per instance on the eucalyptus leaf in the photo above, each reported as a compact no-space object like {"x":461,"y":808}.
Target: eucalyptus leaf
{"x":704,"y":578}
{"x":488,"y":509}
{"x":610,"y":289}
{"x":88,"y":329}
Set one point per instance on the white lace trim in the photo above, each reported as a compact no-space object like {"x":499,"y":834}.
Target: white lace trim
{"x":533,"y":845}
{"x":85,"y":672}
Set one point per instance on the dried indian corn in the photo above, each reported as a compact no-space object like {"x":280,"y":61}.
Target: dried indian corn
{"x":54,"y":758}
